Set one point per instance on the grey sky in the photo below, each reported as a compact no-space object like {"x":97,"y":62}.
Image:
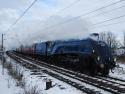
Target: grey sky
{"x":45,"y":13}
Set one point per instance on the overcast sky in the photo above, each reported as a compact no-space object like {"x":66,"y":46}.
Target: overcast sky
{"x":39,"y":23}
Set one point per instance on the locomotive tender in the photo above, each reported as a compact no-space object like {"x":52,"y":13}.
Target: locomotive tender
{"x":86,"y":55}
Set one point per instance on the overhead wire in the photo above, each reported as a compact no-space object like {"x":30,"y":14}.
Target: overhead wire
{"x":85,"y":14}
{"x":114,"y":3}
{"x":103,"y":13}
{"x":108,"y":20}
{"x":110,"y":24}
{"x":74,"y":18}
{"x":107,"y":25}
{"x":68,"y":6}
{"x":30,"y":6}
{"x":25,"y":11}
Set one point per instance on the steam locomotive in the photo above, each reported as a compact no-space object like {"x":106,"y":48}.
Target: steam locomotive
{"x":86,"y":55}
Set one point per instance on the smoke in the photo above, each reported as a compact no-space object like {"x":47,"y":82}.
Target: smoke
{"x":31,"y":28}
{"x":29,"y":32}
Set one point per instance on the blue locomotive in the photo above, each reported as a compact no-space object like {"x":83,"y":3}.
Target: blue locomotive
{"x":86,"y":55}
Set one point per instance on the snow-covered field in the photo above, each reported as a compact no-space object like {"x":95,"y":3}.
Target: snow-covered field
{"x":8,"y":84}
{"x":39,"y":81}
{"x":119,"y":72}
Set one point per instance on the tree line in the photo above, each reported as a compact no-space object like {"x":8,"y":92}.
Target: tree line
{"x":112,"y":40}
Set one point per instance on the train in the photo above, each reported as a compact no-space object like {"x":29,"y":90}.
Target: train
{"x":85,"y":55}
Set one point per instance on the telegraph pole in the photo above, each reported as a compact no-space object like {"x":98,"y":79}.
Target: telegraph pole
{"x":2,"y":53}
{"x":2,"y":42}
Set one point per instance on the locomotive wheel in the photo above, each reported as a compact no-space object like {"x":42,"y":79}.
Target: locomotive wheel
{"x":92,"y":71}
{"x":92,"y":67}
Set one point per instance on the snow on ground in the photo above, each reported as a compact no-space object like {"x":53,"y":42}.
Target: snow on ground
{"x":118,"y":72}
{"x":79,"y":82}
{"x":7,"y":84}
{"x":58,"y":87}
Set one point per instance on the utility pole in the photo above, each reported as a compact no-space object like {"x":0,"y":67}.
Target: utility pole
{"x":2,"y":53}
{"x":2,"y":42}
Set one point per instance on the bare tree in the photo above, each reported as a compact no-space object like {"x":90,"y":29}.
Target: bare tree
{"x":102,"y":36}
{"x":110,"y":39}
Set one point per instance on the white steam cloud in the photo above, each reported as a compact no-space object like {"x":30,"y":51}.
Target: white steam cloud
{"x":36,"y":31}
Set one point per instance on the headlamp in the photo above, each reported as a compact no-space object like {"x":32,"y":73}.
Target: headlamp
{"x":98,"y":58}
{"x":115,"y":59}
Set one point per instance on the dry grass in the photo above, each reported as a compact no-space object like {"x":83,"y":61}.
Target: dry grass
{"x":32,"y":90}
{"x":16,"y":73}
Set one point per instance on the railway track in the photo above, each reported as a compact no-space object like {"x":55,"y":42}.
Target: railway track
{"x":32,"y":66}
{"x":116,"y":79}
{"x":112,"y":79}
{"x":102,"y":83}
